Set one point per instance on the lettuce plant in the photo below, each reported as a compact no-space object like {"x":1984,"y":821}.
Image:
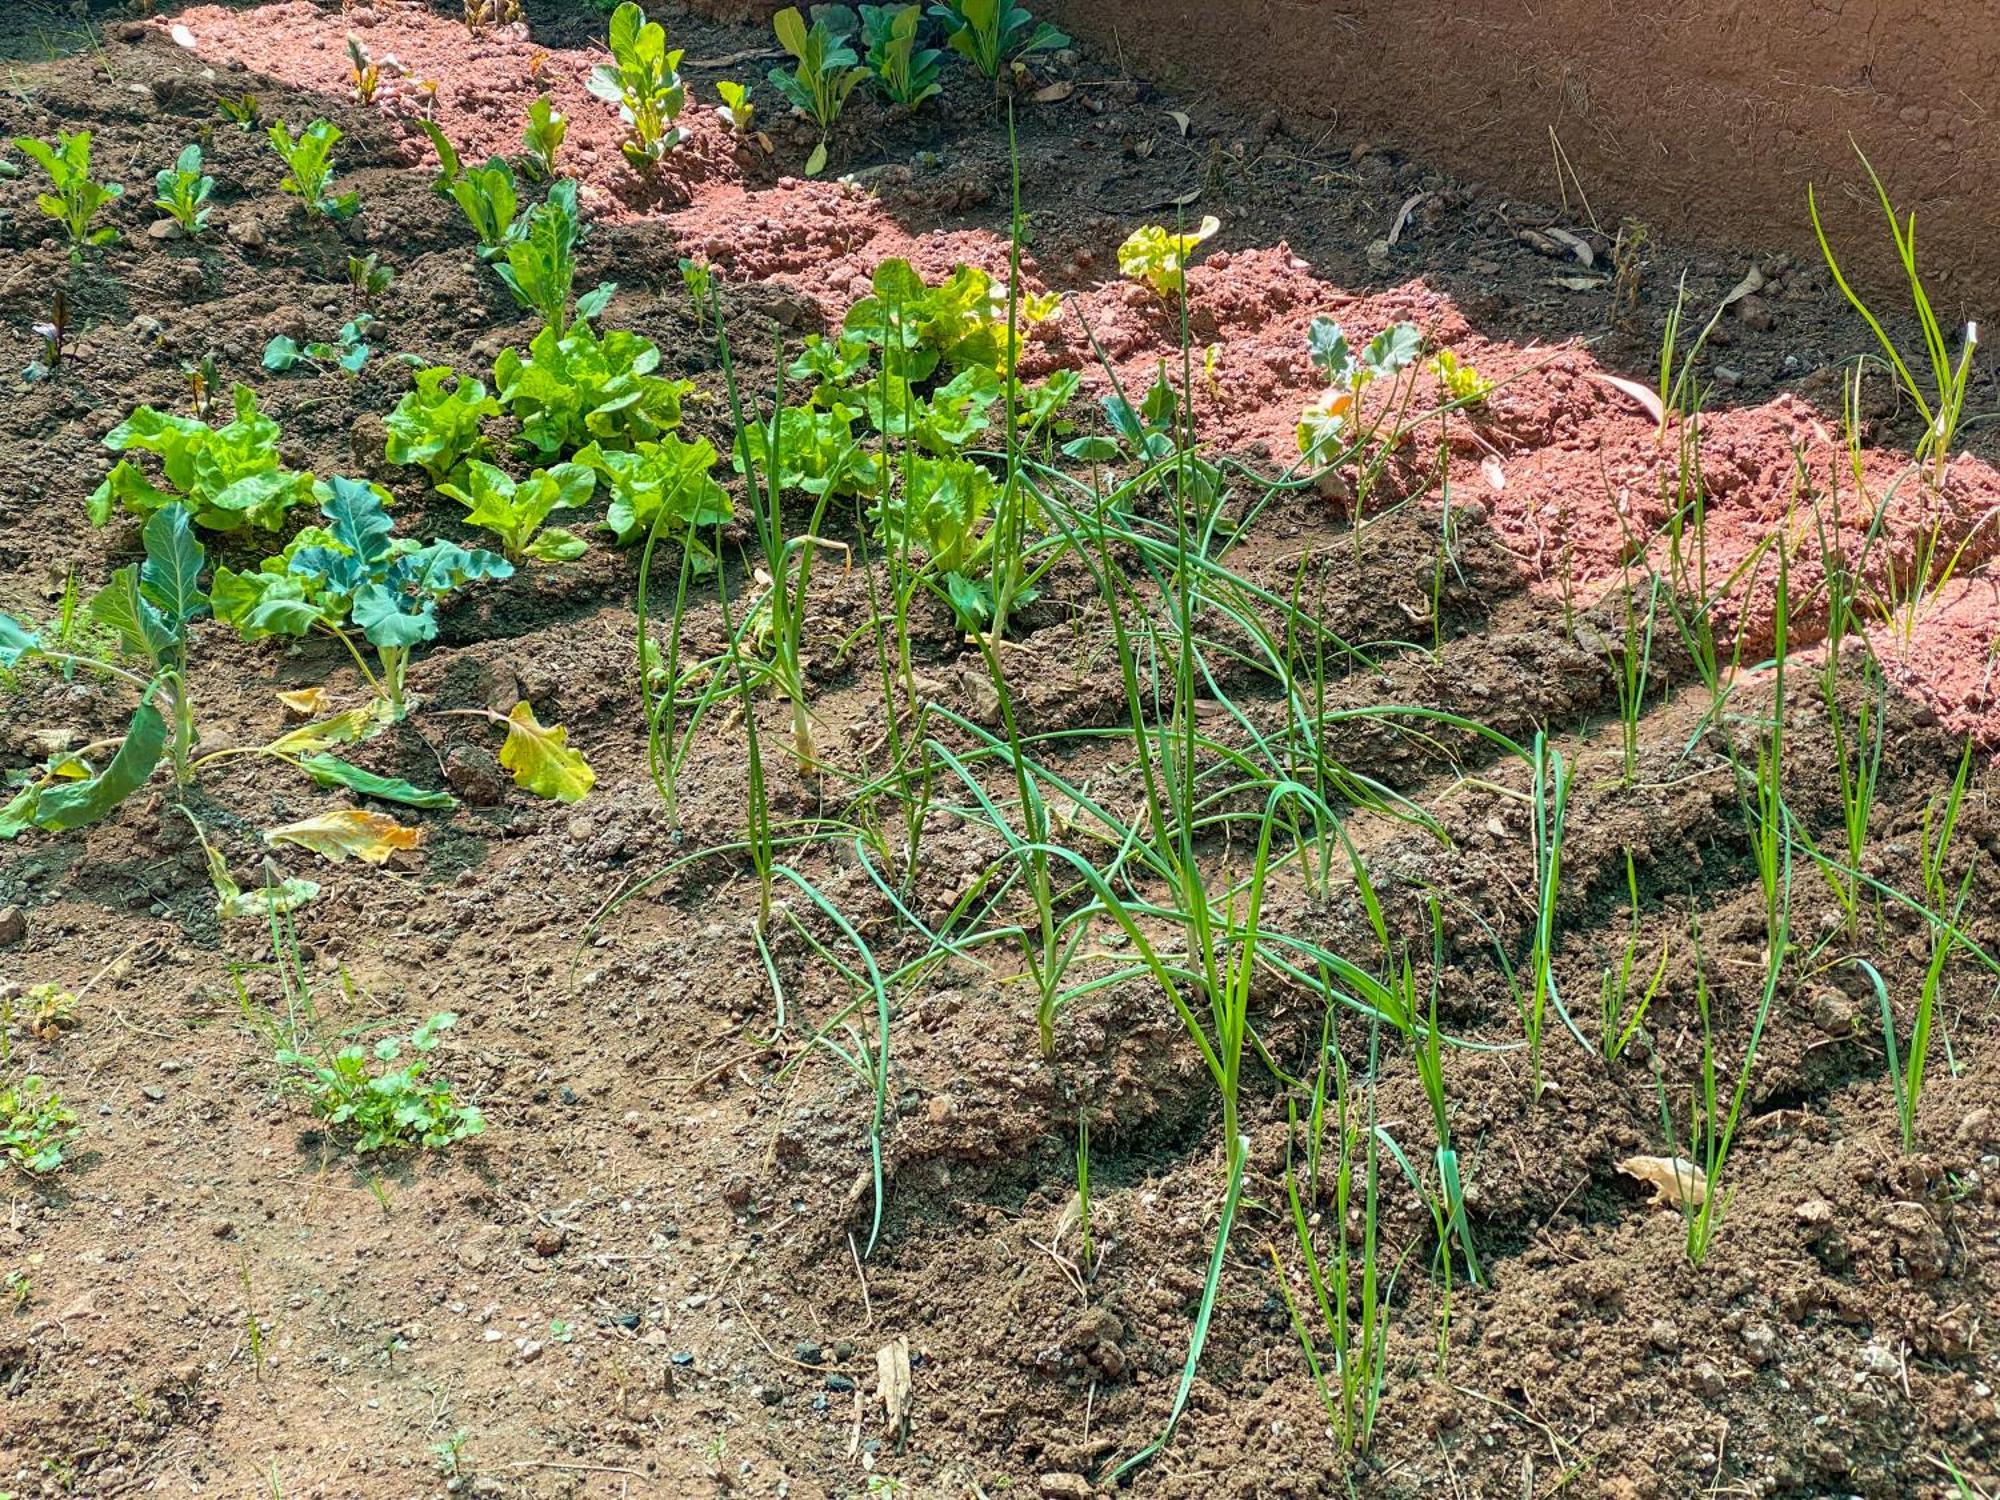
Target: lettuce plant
{"x":353,"y":574}
{"x":488,"y":199}
{"x":906,"y":73}
{"x":308,"y":159}
{"x":1157,"y":256}
{"x":146,"y":609}
{"x":540,"y":261}
{"x":817,"y":453}
{"x":575,"y":388}
{"x":515,"y":510}
{"x":229,"y":476}
{"x":942,"y":511}
{"x":992,"y":33}
{"x":643,"y":79}
{"x":181,"y":191}
{"x":960,"y":322}
{"x":542,"y":138}
{"x":824,"y":71}
{"x":665,"y":484}
{"x":78,"y":197}
{"x":437,"y":423}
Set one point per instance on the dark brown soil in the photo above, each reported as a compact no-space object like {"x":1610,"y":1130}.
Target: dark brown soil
{"x":643,"y":1279}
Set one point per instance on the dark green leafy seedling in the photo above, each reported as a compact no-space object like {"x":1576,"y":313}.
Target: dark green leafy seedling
{"x":54,"y":334}
{"x":906,"y":73}
{"x":387,"y":1106}
{"x":577,"y":388}
{"x":668,"y":484}
{"x":350,"y":353}
{"x":241,"y":110}
{"x":230,"y":476}
{"x":515,"y":510}
{"x":824,"y":70}
{"x":352,"y":573}
{"x":181,"y":191}
{"x":488,"y":198}
{"x":643,"y":79}
{"x":36,"y":1127}
{"x":542,"y":138}
{"x":308,"y":159}
{"x":368,"y":276}
{"x":437,"y":424}
{"x":993,"y":33}
{"x":78,"y":197}
{"x":540,"y":263}
{"x":146,"y":609}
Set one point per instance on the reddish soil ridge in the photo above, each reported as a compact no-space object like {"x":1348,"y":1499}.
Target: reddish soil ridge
{"x":1569,"y":467}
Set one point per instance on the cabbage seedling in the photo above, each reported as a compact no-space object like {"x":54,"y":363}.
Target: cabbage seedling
{"x":308,"y":159}
{"x":487,"y":197}
{"x":736,"y":111}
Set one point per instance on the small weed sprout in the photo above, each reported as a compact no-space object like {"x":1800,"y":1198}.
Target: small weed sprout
{"x":78,"y":197}
{"x":643,"y":79}
{"x":181,"y":191}
{"x":362,"y":71}
{"x":386,"y":1106}
{"x":824,"y":72}
{"x":368,"y":277}
{"x":36,"y":1127}
{"x":54,"y":334}
{"x":241,"y":110}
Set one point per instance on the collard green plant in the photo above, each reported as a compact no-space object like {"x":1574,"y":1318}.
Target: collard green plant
{"x":668,"y":483}
{"x":78,"y":197}
{"x":541,"y":138}
{"x":906,"y":73}
{"x":181,"y":191}
{"x":230,"y":476}
{"x":36,"y":1127}
{"x":308,"y":159}
{"x":993,"y":33}
{"x":387,"y":1099}
{"x":643,"y":79}
{"x":576,"y":388}
{"x":436,"y":425}
{"x":1334,"y":419}
{"x":488,"y":199}
{"x":352,"y":573}
{"x":539,"y":264}
{"x":1156,"y":255}
{"x":145,"y":610}
{"x":515,"y":510}
{"x":349,"y":350}
{"x":824,"y":71}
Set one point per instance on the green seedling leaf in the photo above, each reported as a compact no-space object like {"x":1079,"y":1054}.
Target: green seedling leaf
{"x":1157,"y":256}
{"x":436,"y":425}
{"x":514,"y":511}
{"x":77,"y":803}
{"x":571,"y":390}
{"x":329,"y":770}
{"x":541,"y":759}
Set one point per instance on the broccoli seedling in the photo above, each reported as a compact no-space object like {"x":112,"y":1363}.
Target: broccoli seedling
{"x":1328,"y":422}
{"x":181,"y":191}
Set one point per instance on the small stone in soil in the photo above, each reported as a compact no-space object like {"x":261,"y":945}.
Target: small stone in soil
{"x":13,"y":925}
{"x":806,"y":1352}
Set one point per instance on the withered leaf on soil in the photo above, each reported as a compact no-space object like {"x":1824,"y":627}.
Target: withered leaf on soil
{"x":541,"y":760}
{"x":370,"y":837}
{"x":305,"y":702}
{"x":892,"y":1381}
{"x":1675,"y":1180}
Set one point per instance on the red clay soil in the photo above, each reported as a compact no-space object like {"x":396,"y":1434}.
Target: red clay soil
{"x":644,"y":1281}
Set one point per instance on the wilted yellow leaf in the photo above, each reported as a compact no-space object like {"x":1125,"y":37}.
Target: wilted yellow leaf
{"x":305,"y":702}
{"x":370,"y":837}
{"x":342,"y":729}
{"x":1674,"y":1179}
{"x":541,"y":760}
